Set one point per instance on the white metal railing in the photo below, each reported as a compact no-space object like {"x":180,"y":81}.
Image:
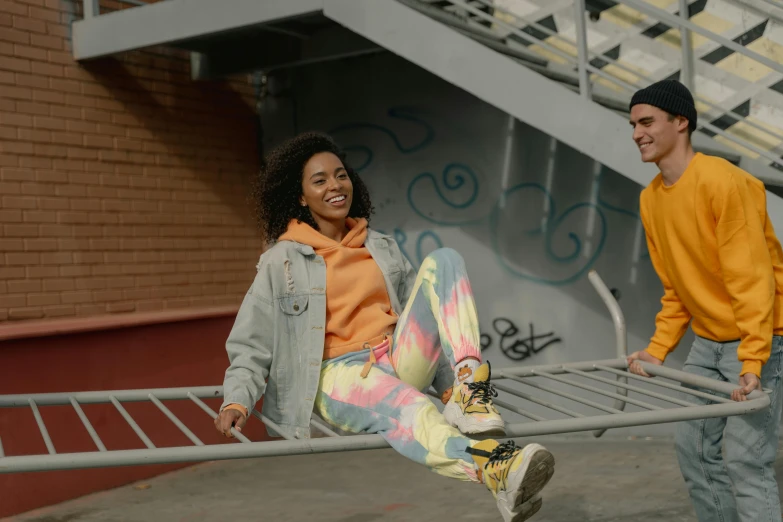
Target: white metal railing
{"x":561,"y":382}
{"x":581,"y":62}
{"x":579,"y":376}
{"x":687,"y":71}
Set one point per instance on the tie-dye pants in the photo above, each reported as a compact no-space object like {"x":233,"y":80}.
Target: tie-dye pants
{"x":439,"y":318}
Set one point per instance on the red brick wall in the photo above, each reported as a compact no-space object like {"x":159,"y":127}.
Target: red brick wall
{"x":123,"y":183}
{"x":184,"y":353}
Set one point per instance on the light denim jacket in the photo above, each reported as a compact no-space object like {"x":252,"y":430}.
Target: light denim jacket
{"x":276,"y":345}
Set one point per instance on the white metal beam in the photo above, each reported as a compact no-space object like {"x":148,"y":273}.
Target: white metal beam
{"x":173,"y":21}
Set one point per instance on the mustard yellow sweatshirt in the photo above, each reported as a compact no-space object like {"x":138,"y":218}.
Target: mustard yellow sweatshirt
{"x":715,"y":251}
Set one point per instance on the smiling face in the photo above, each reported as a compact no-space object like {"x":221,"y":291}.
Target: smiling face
{"x":326,"y":188}
{"x":656,"y":132}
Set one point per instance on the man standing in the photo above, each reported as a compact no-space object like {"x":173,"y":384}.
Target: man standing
{"x":721,"y":266}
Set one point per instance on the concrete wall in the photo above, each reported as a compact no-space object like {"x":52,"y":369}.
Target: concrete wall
{"x":530,"y":215}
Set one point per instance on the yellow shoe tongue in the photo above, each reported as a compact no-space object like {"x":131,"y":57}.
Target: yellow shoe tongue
{"x":486,"y":445}
{"x":481,"y":373}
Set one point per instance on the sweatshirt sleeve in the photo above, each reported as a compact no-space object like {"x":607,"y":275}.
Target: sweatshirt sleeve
{"x":672,"y":321}
{"x":746,"y":269}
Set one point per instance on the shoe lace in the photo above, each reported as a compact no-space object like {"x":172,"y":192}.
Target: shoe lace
{"x":482,"y":392}
{"x":502,"y":452}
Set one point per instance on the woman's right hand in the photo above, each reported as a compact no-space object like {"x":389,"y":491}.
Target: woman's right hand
{"x":228,"y":419}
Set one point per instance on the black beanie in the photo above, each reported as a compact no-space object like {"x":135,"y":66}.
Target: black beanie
{"x":670,"y":96}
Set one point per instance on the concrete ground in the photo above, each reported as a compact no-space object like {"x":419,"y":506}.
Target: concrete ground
{"x":605,"y":480}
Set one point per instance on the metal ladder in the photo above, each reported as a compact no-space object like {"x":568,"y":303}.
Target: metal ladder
{"x":554,"y":388}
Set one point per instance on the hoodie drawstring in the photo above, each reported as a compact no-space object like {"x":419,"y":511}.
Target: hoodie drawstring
{"x":373,"y":359}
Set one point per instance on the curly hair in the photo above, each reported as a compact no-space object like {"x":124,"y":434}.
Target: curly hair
{"x":279,"y":186}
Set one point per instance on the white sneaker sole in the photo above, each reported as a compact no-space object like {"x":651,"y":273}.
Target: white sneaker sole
{"x":522,"y":502}
{"x":527,"y":510}
{"x":472,"y":426}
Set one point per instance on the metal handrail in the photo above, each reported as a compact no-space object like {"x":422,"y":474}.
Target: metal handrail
{"x":773,"y":12}
{"x":610,"y":417}
{"x":582,"y":61}
{"x":670,"y":19}
{"x":721,"y":111}
{"x":620,"y":335}
{"x":715,"y":406}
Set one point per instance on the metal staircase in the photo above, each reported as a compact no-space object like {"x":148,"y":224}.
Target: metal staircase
{"x":730,"y":56}
{"x":567,"y":67}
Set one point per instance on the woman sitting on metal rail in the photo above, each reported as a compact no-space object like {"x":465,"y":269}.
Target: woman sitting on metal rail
{"x":337,"y":320}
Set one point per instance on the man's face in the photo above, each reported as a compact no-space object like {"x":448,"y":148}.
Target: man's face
{"x":655,"y":131}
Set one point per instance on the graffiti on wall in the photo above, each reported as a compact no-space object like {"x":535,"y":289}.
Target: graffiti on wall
{"x":514,"y":343}
{"x":426,"y":242}
{"x":451,"y":198}
{"x":633,"y":214}
{"x":458,"y":177}
{"x":422,"y":131}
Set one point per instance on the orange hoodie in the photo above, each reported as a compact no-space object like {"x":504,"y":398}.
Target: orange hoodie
{"x":358,"y":310}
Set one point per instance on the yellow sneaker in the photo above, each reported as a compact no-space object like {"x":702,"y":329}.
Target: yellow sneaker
{"x":470,"y":408}
{"x":514,"y":475}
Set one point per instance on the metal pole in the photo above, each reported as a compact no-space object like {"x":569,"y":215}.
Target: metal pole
{"x":178,"y":423}
{"x":599,"y":391}
{"x":530,"y":371}
{"x":42,"y":428}
{"x":618,"y":319}
{"x":695,"y":380}
{"x":323,"y":428}
{"x":652,"y":394}
{"x":663,"y":384}
{"x":581,"y":46}
{"x":356,"y":442}
{"x":607,"y":59}
{"x":670,"y":19}
{"x":518,"y":411}
{"x":91,"y":8}
{"x":271,"y":424}
{"x":536,"y":400}
{"x":209,"y":411}
{"x":502,"y":404}
{"x":102,"y":397}
{"x":87,"y":425}
{"x":576,"y":398}
{"x":620,"y":333}
{"x":143,"y":436}
{"x":516,"y":31}
{"x":686,"y":44}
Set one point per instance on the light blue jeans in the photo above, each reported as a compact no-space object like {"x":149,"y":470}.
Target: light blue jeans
{"x":742,"y":487}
